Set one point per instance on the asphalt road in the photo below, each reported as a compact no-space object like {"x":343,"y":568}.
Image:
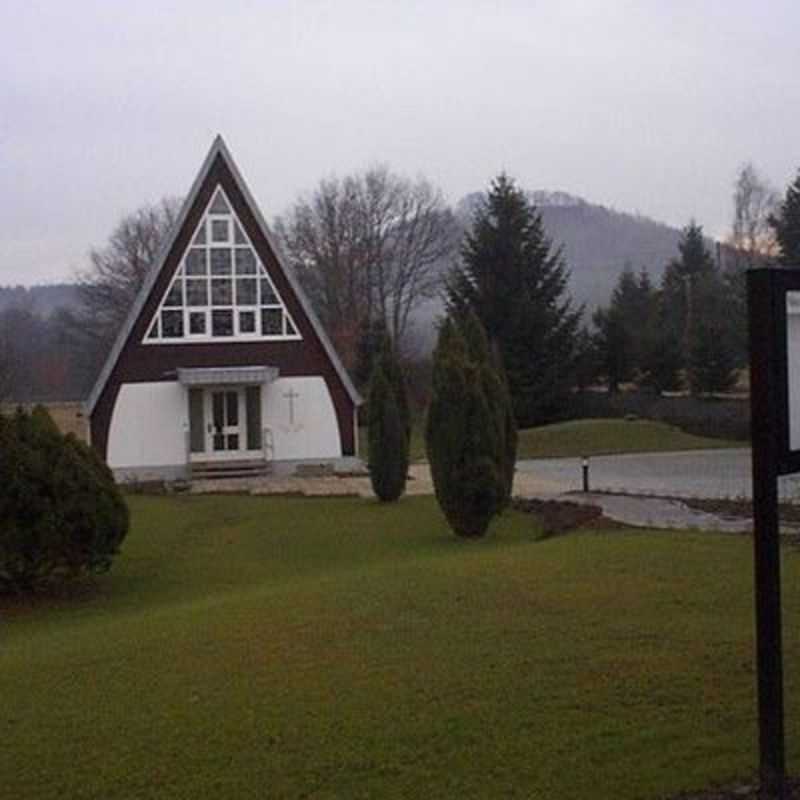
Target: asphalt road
{"x":699,"y":473}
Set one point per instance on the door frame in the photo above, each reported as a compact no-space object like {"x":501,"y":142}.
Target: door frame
{"x":209,"y":453}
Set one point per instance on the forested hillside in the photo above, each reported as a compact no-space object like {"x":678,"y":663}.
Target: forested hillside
{"x":598,"y":241}
{"x":40,"y":300}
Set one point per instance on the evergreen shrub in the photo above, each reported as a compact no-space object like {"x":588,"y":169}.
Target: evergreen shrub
{"x":388,"y":436}
{"x":461,"y":435}
{"x":61,"y":513}
{"x":498,"y":394}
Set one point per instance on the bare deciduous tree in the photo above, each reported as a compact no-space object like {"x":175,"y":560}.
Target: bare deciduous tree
{"x":754,"y":201}
{"x":371,"y":246}
{"x":109,"y":286}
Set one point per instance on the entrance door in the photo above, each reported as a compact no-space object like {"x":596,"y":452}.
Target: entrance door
{"x":225,"y":422}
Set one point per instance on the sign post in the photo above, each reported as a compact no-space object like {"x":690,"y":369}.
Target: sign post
{"x":768,"y":411}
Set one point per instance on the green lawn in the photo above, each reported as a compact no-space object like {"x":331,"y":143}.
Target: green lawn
{"x":283,"y":648}
{"x":590,"y":437}
{"x":593,"y":437}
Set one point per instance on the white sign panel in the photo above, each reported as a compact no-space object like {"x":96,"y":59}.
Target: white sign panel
{"x":793,"y":366}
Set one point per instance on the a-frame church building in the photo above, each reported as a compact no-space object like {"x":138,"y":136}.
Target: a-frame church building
{"x":222,"y":362}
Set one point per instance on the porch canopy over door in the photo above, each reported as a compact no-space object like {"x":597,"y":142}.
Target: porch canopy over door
{"x":226,"y":376}
{"x":210,"y":418}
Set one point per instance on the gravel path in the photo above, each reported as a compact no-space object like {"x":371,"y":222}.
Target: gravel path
{"x":717,"y":474}
{"x":554,"y":478}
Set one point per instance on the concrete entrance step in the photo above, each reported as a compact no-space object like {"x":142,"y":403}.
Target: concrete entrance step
{"x":210,"y":470}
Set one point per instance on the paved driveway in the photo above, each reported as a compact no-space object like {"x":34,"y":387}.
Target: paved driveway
{"x":698,"y":473}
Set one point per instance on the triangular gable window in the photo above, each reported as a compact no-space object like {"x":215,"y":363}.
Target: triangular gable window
{"x":221,"y":290}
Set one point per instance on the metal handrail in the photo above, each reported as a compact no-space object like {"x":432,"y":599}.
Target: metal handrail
{"x":267,"y":444}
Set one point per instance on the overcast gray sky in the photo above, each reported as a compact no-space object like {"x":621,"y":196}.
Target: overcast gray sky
{"x":643,"y":106}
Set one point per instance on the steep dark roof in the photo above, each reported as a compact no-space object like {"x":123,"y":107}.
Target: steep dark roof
{"x":218,"y":149}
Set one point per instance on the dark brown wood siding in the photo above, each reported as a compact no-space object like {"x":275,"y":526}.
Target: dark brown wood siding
{"x":139,"y":363}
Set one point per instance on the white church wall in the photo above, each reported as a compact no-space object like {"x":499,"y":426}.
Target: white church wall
{"x":301,"y":416}
{"x":148,"y":426}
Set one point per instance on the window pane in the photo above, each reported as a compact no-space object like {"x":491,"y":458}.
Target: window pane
{"x":290,"y":329}
{"x":219,"y":206}
{"x":268,"y":296}
{"x":232,"y":403}
{"x":200,"y":236}
{"x":247,"y":322}
{"x":174,"y":298}
{"x":171,"y":324}
{"x":220,"y":261}
{"x":196,"y":261}
{"x":245,"y":261}
{"x":218,"y":410}
{"x":220,"y":230}
{"x":238,"y":236}
{"x":197,"y":322}
{"x":221,"y":292}
{"x":271,"y":322}
{"x":153,"y":330}
{"x":246,"y":291}
{"x":196,"y":292}
{"x":222,"y":323}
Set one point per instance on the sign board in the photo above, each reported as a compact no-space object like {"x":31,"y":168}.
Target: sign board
{"x":773,"y":300}
{"x":792,"y":306}
{"x":780,"y":319}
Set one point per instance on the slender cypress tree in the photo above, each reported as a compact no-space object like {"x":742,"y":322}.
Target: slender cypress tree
{"x":516,"y":283}
{"x":461,"y":436}
{"x":394,"y":374}
{"x":498,"y":395}
{"x":388,"y":438}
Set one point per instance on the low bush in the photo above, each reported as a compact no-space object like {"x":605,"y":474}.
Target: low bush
{"x":61,"y":513}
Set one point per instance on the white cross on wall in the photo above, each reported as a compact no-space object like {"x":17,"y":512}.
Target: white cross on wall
{"x":291,"y":396}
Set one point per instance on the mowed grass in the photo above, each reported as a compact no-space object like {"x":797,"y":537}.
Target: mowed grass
{"x":250,"y":647}
{"x":593,"y":437}
{"x":589,"y":437}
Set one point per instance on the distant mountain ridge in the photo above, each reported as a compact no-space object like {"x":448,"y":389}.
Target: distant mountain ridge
{"x":598,"y":242}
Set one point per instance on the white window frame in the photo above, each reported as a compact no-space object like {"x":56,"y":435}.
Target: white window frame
{"x":259,"y":275}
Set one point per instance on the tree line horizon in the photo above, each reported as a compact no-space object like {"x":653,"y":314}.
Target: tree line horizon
{"x":372,"y":247}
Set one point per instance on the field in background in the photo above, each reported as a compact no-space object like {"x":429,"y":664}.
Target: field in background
{"x":589,"y":437}
{"x":68,"y":416}
{"x":252,"y":647}
{"x":594,"y":437}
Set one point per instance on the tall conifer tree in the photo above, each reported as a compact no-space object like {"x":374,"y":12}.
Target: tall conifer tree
{"x":512,"y":278}
{"x":698,"y":303}
{"x":786,"y":224}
